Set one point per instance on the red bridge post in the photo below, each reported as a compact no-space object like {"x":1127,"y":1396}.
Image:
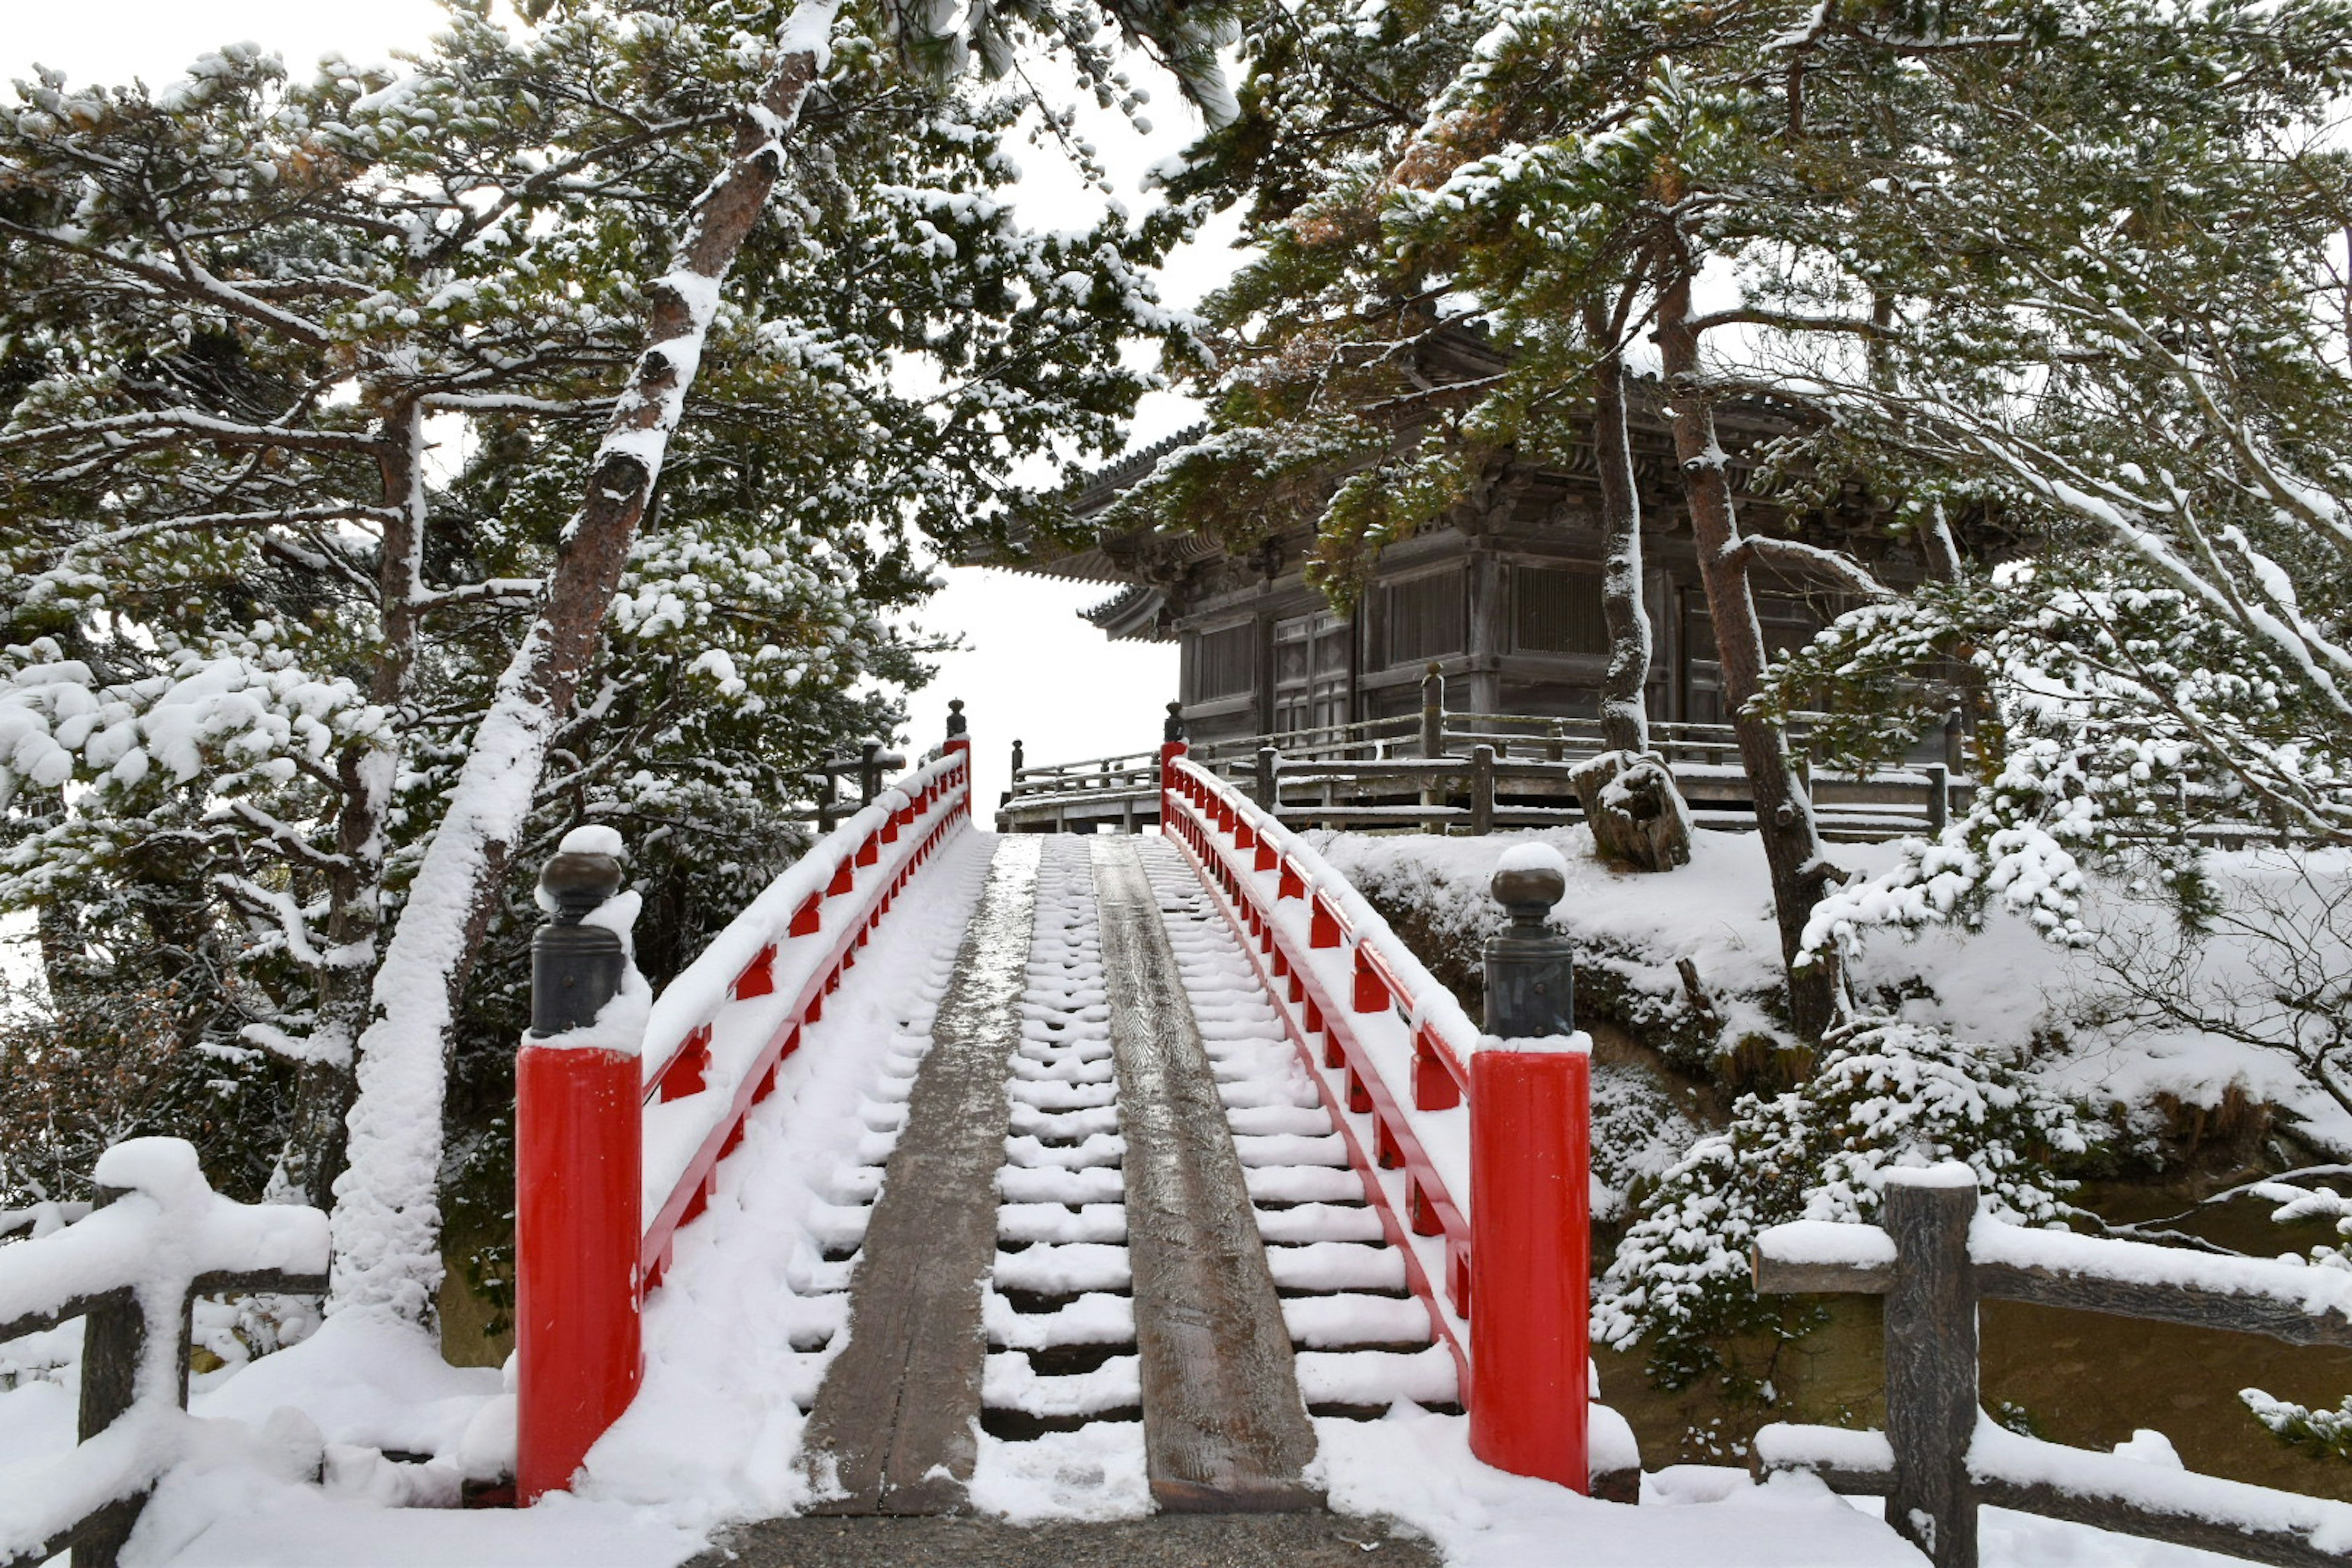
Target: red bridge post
{"x":578,"y":1159}
{"x":1171,"y":746}
{"x":1530,"y":1198}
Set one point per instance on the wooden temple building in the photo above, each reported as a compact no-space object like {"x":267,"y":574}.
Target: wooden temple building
{"x":1505,"y":599}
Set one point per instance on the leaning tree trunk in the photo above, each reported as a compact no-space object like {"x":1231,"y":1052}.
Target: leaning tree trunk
{"x":325,"y":1084}
{"x":387,"y":1215}
{"x":1631,"y":803}
{"x":1784,"y":812}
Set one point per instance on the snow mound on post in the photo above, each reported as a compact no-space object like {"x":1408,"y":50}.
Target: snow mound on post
{"x":592,"y":840}
{"x":164,"y":1168}
{"x":1533,"y":856}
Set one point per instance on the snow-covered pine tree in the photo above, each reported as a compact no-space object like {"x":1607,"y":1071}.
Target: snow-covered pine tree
{"x":2130,"y":340}
{"x":1324,"y":417}
{"x":1883,"y":1093}
{"x":387,"y":1222}
{"x":238,"y":312}
{"x":1561,"y":176}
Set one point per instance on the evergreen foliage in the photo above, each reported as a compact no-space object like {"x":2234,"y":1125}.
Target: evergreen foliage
{"x":298,"y":383}
{"x":1882,"y":1094}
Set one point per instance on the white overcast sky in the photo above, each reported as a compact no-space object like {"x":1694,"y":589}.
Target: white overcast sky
{"x":1033,"y":670}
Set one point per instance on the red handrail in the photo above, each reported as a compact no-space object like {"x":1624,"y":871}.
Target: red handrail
{"x":1516,"y":1256}
{"x":586,"y":1168}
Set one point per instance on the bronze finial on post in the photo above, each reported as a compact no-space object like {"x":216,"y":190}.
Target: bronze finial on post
{"x":575,"y":968}
{"x":957,"y":728}
{"x":1530,"y":982}
{"x":1173,"y":731}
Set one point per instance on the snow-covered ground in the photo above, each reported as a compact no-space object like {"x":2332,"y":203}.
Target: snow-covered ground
{"x":1998,"y":985}
{"x":753,"y":1308}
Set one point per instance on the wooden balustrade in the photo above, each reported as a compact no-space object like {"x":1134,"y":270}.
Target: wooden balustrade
{"x":1933,"y":1258}
{"x":1486,"y":770}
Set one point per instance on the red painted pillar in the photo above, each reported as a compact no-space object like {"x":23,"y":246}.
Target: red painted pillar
{"x":1530,"y":1261}
{"x":1168,"y":752}
{"x":578,"y":1233}
{"x":962,"y":743}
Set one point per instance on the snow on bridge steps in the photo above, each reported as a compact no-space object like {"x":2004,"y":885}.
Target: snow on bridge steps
{"x":1478,"y":1163}
{"x":1933,"y":1257}
{"x":616,"y":1145}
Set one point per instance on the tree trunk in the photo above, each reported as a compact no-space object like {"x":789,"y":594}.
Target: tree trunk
{"x":387,"y":1216}
{"x":1624,"y":708}
{"x":1631,"y":803}
{"x":1784,"y":813}
{"x":325,"y":1085}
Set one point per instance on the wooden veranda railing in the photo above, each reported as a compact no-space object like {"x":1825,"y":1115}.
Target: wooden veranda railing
{"x":1442,"y":771}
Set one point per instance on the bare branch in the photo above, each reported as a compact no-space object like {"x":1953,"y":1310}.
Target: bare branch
{"x":1808,"y":560}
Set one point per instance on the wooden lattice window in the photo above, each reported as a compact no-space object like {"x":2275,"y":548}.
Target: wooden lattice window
{"x":1423,"y":617}
{"x":1222,"y":663}
{"x":1559,"y":611}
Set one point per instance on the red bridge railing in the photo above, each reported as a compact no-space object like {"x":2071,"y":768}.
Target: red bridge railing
{"x":1479,"y":1154}
{"x":618,"y":1141}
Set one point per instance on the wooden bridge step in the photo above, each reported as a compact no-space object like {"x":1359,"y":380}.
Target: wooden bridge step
{"x":1225,"y":1427}
{"x":895,"y":1416}
{"x":1166,"y":1541}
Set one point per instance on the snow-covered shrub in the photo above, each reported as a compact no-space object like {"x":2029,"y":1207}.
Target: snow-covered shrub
{"x":1884,"y":1093}
{"x":1638,"y":1133}
{"x":2317,"y":1431}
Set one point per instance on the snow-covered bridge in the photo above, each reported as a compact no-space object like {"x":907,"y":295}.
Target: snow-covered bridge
{"x":1142,"y":1192}
{"x":1150,"y":1167}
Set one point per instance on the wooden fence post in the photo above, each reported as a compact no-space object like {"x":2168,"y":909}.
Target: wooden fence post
{"x":1433,"y":711}
{"x":1931,"y":1360}
{"x":1939,"y":798}
{"x":1269,"y":787}
{"x":114,"y":1337}
{"x":1482,"y":790}
{"x":1954,"y":733}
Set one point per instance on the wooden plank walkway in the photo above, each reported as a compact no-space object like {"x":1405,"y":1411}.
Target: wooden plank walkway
{"x":893,"y":1418}
{"x":1223,"y":1427}
{"x":1164,"y":1541}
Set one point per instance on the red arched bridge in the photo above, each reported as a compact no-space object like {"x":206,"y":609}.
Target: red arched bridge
{"x":1138,"y":1156}
{"x":1193,"y":1140}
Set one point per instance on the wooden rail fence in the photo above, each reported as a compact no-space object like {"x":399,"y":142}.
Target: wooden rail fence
{"x":1933,"y":1258}
{"x":131,"y":1266}
{"x":1447,"y":772}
